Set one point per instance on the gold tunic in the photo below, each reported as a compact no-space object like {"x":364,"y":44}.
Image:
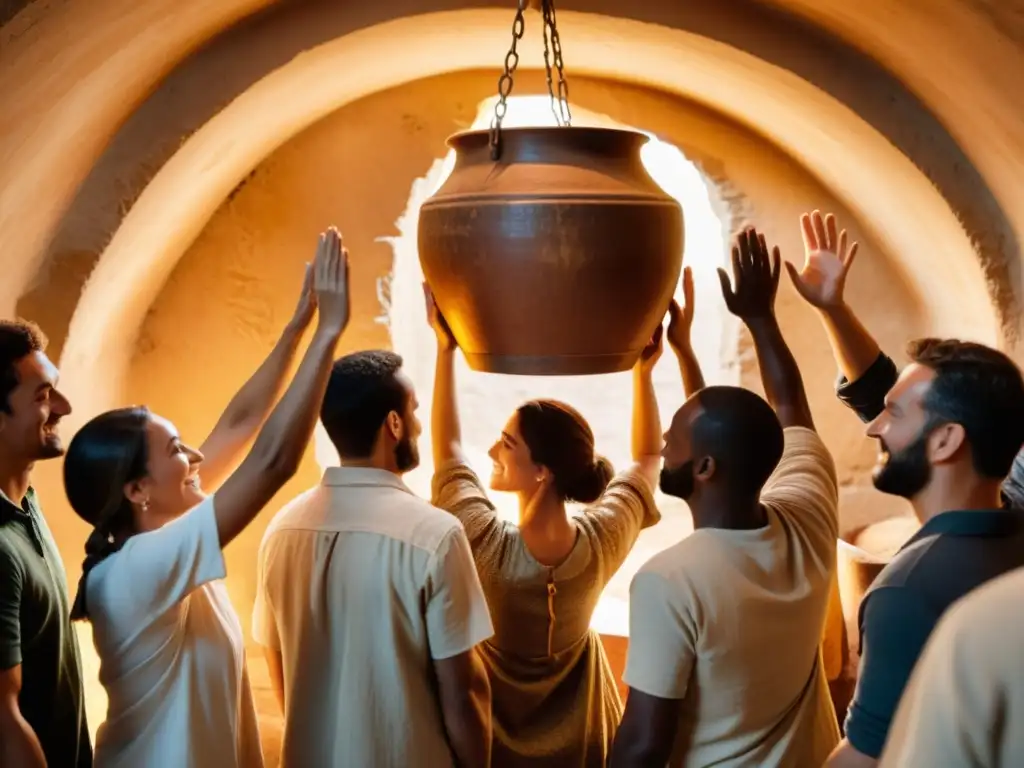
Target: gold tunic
{"x":555,"y":701}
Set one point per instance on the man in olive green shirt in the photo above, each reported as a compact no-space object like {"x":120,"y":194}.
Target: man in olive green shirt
{"x":42,"y":704}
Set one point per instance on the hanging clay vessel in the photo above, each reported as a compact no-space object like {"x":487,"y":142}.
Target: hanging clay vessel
{"x":558,"y":259}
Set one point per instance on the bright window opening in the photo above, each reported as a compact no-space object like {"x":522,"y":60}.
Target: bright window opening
{"x":486,"y":400}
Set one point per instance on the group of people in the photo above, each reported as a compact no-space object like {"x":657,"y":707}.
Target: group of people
{"x":405,"y":632}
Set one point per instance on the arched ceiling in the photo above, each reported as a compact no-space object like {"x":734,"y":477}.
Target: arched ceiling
{"x":187,"y":190}
{"x":78,"y":70}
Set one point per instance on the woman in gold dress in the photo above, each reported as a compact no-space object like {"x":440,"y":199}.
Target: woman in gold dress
{"x":555,"y":700}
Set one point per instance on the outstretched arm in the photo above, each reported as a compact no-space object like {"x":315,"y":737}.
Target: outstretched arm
{"x":445,"y":428}
{"x":282,"y":441}
{"x":248,"y":409}
{"x":646,"y":431}
{"x":756,"y":276}
{"x":680,"y":322}
{"x":866,"y":373}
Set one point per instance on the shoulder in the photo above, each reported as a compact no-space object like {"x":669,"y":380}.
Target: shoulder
{"x":673,"y":565}
{"x":910,"y":567}
{"x":11,"y":557}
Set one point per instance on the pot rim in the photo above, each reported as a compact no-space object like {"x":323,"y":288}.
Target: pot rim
{"x":461,"y":138}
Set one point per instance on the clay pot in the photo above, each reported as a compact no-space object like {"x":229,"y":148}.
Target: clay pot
{"x":560,"y":258}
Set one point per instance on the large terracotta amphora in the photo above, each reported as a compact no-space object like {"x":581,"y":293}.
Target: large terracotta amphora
{"x":559,"y":258}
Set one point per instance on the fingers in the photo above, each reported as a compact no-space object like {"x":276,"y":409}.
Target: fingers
{"x":776,"y":262}
{"x":819,"y":230}
{"x":830,"y":227}
{"x":723,"y":278}
{"x":850,"y":256}
{"x":687,"y":287}
{"x":675,"y":313}
{"x":656,"y":336}
{"x":764,"y":264}
{"x":810,"y":237}
{"x":794,"y":276}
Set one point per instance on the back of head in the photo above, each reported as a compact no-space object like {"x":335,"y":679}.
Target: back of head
{"x":363,"y":389}
{"x":105,"y":455}
{"x":18,"y":339}
{"x":980,"y":389}
{"x":560,"y":439}
{"x":741,"y":432}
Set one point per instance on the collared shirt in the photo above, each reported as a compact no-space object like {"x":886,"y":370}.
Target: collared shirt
{"x":361,"y":585}
{"x":952,"y":554}
{"x":36,"y":633}
{"x":964,"y":704}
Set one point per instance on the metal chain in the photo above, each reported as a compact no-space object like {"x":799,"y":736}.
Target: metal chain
{"x":562,"y":115}
{"x":506,"y":81}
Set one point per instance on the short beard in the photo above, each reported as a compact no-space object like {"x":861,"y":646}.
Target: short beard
{"x":907,"y":472}
{"x":678,"y":481}
{"x":407,"y":456}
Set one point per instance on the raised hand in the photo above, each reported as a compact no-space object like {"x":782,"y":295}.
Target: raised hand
{"x":445,"y":337}
{"x":827,"y":261}
{"x":650,"y":354}
{"x":681,"y":318}
{"x":307,"y":301}
{"x":756,"y":277}
{"x":330,"y":282}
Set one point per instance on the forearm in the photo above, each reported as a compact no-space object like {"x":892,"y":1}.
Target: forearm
{"x":853,"y":347}
{"x":445,"y":429}
{"x":467,"y":721}
{"x":253,"y":401}
{"x":780,"y":375}
{"x":283,"y":439}
{"x":646,"y":436}
{"x":689,"y":369}
{"x":19,"y":745}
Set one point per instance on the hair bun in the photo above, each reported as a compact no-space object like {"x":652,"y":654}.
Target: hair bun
{"x":588,"y":487}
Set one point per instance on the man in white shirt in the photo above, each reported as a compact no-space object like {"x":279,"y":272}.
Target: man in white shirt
{"x":724,"y":665}
{"x":368,"y":602}
{"x":964,"y":704}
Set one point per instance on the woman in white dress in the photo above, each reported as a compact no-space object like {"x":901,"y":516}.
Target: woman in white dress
{"x":170,"y":644}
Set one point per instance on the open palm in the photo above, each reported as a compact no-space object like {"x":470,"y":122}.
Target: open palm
{"x":827,"y":261}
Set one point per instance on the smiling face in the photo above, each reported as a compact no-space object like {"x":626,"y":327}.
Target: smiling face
{"x":514,"y":470}
{"x":171,"y":486}
{"x":29,"y":430}
{"x":902,"y":429}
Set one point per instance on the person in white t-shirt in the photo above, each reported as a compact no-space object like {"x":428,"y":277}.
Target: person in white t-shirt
{"x":169,"y":642}
{"x":725,"y":627}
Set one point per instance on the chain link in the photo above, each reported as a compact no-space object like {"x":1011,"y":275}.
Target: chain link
{"x":552,"y":50}
{"x":506,"y":81}
{"x":559,"y":103}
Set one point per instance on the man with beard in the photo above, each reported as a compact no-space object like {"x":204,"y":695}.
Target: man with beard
{"x":42,"y":704}
{"x":725,"y":626}
{"x":950,"y":428}
{"x":368,"y":603}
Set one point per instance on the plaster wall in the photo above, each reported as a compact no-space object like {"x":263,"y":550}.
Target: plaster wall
{"x":681,"y":63}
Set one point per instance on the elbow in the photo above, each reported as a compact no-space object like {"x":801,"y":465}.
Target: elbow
{"x":280,"y":466}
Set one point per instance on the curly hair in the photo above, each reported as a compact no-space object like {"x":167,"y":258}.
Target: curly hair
{"x":18,"y":339}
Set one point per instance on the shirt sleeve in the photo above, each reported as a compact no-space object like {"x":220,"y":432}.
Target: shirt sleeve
{"x":156,"y":570}
{"x":662,"y":639}
{"x":264,"y":622}
{"x":895,"y":626}
{"x":625,"y":508}
{"x":457,"y":614}
{"x":11,"y":576}
{"x":456,"y":489}
{"x":804,"y":490}
{"x":866,"y":396}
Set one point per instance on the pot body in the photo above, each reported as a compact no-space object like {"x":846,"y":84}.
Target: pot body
{"x":558,"y":259}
